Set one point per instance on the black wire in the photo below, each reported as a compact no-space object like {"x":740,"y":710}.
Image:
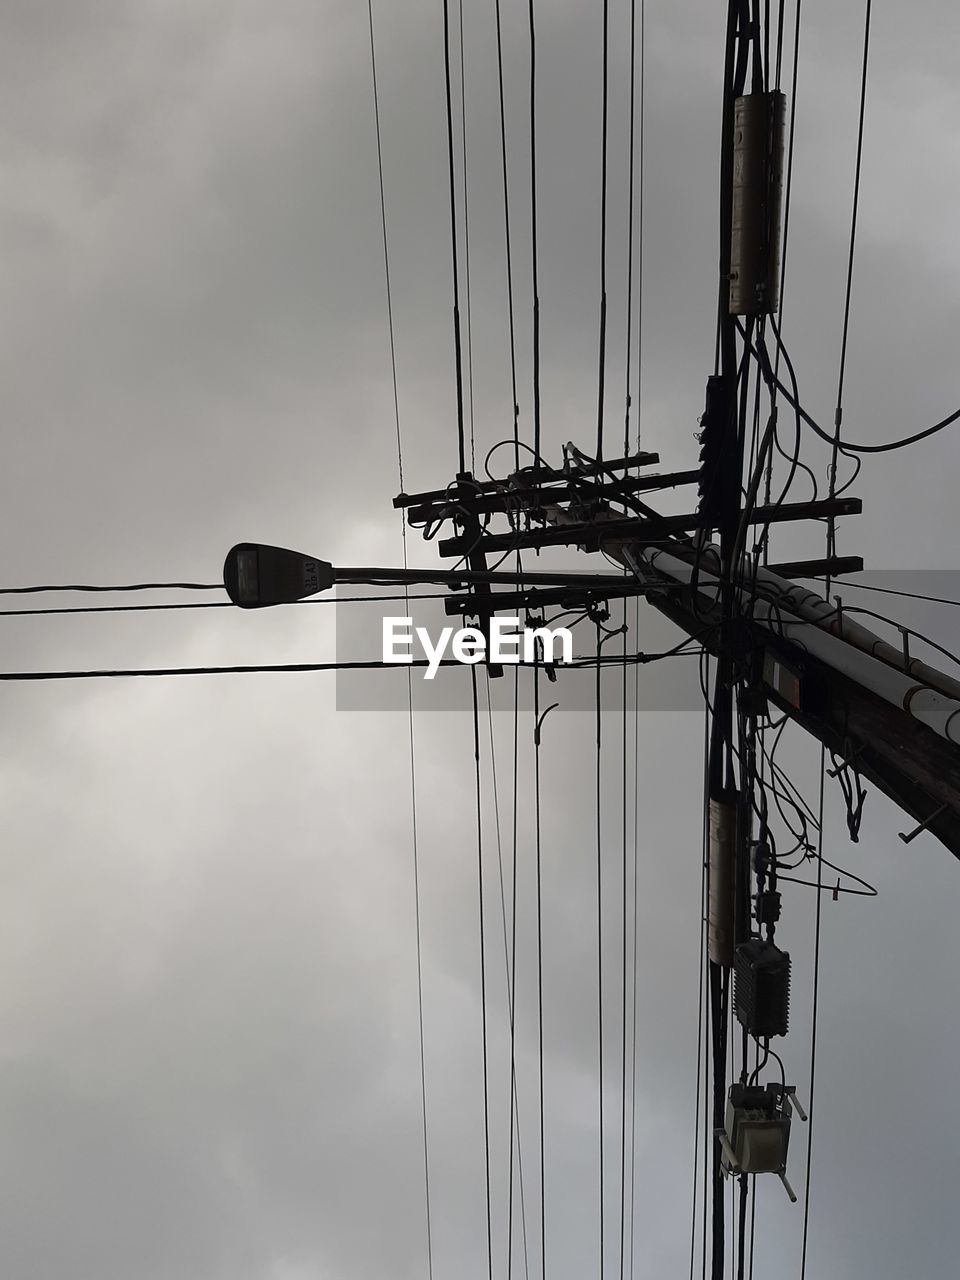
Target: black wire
{"x":510,"y":969}
{"x":643,"y":86}
{"x":903,"y":629}
{"x":506,"y":223}
{"x":853,"y":234}
{"x":136,"y":586}
{"x":603,"y":245}
{"x":702,"y":974}
{"x":466,"y":243}
{"x":578,"y":663}
{"x":538,"y":719}
{"x":533,"y":245}
{"x":214,"y":604}
{"x":483,"y":968}
{"x":633,"y":81}
{"x":838,"y":412}
{"x":636,"y":904}
{"x":453,"y":238}
{"x":890,"y":591}
{"x":846,"y":446}
{"x":406,"y":598}
{"x":599,"y":807}
{"x":623,"y":1062}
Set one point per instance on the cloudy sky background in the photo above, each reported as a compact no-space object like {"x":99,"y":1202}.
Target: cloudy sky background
{"x":209,"y":1007}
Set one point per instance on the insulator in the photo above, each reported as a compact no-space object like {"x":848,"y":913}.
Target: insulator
{"x":721,"y":903}
{"x":757,"y":198}
{"x":714,"y":480}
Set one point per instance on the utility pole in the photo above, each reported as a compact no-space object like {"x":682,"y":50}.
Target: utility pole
{"x":776,"y":646}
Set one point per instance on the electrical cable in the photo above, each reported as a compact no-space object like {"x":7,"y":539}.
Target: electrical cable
{"x":838,"y":412}
{"x":599,"y":808}
{"x":136,"y":586}
{"x":890,"y":591}
{"x":702,"y":976}
{"x":458,"y":359}
{"x":846,"y":446}
{"x":285,"y":668}
{"x":623,"y":1061}
{"x":516,"y":686}
{"x":630,"y":177}
{"x":533,"y":235}
{"x":538,"y":723}
{"x":603,"y":245}
{"x":509,"y":956}
{"x":904,"y":630}
{"x":643,"y":87}
{"x":483,"y":967}
{"x":836,"y":446}
{"x":636,"y":909}
{"x":406,"y":598}
{"x":213,"y":604}
{"x":466,"y":243}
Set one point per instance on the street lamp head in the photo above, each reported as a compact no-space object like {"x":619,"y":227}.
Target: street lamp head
{"x":256,"y":575}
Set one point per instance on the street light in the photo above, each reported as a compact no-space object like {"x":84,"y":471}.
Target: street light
{"x":256,"y":575}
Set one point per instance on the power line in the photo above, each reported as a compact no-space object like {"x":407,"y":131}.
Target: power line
{"x":506,"y":225}
{"x":134,"y":586}
{"x":533,"y":237}
{"x":599,"y":724}
{"x":603,"y":240}
{"x":406,"y":600}
{"x":483,"y":966}
{"x":538,"y":725}
{"x":847,"y":447}
{"x":510,"y":968}
{"x":466,"y":242}
{"x":623,"y":1061}
{"x":453,"y":237}
{"x":890,"y":591}
{"x":838,"y":412}
{"x":215,"y":604}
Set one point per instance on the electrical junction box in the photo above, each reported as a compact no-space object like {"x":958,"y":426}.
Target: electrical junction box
{"x":756,"y":1131}
{"x":761,"y":990}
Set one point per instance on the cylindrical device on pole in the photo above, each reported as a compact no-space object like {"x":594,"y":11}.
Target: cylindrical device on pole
{"x":758,"y":130}
{"x":721,"y":884}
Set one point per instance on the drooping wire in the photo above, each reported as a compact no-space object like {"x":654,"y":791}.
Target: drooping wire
{"x":786,"y":212}
{"x":406,"y":596}
{"x":483,"y":966}
{"x":458,"y":358}
{"x":831,"y":539}
{"x":838,"y":412}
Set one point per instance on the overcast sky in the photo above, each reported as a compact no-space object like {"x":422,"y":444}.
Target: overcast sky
{"x":208,"y":1002}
